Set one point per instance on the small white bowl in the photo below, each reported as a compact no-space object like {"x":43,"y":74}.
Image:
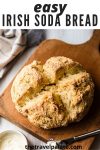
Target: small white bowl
{"x":11,"y":139}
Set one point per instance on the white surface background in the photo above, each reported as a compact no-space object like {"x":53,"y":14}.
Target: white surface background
{"x":6,"y":125}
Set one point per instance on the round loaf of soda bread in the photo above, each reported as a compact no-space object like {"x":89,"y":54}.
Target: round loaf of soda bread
{"x":53,"y":94}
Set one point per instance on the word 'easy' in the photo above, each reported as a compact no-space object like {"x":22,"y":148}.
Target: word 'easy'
{"x":50,"y":8}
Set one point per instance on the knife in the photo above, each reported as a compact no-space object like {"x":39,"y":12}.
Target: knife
{"x":64,"y":143}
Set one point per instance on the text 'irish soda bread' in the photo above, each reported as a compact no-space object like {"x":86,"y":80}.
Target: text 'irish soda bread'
{"x":53,"y":94}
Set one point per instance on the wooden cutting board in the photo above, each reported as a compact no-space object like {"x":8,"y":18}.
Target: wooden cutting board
{"x":88,"y":55}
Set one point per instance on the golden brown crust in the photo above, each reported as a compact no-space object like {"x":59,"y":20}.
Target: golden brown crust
{"x":54,"y":94}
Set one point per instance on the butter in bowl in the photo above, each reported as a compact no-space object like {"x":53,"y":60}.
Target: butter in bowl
{"x":12,"y":140}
